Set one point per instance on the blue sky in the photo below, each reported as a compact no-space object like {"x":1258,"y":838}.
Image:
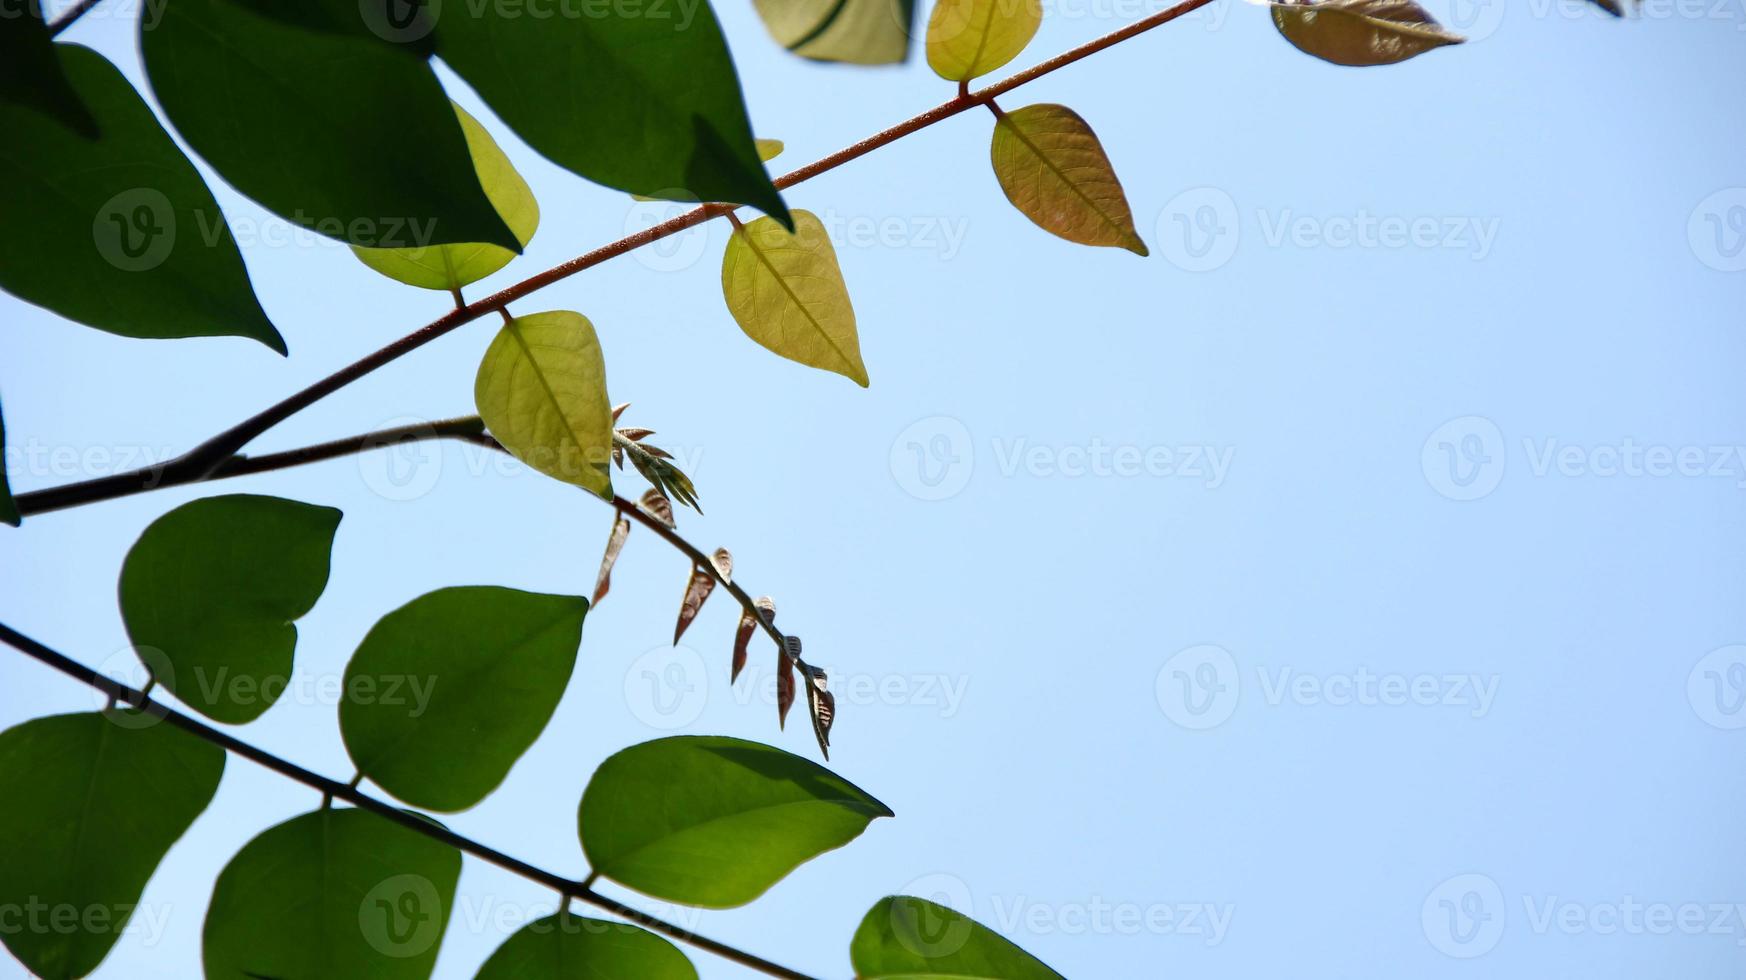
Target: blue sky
{"x":1350,"y":589}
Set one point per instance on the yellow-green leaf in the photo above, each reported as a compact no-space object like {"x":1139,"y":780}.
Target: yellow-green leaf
{"x":449,"y":267}
{"x":1053,"y":169}
{"x":967,"y":38}
{"x":786,"y":293}
{"x":1361,"y":33}
{"x":541,"y":390}
{"x":858,"y":32}
{"x":768,"y":149}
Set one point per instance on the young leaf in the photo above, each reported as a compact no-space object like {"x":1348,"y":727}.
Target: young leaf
{"x":786,"y":656}
{"x":541,"y":390}
{"x":786,"y":292}
{"x":697,"y":590}
{"x":449,"y":267}
{"x":333,"y":893}
{"x":657,"y":506}
{"x":768,"y":149}
{"x":31,"y":74}
{"x":209,"y":593}
{"x":337,"y":132}
{"x":714,"y":821}
{"x":723,"y":562}
{"x":648,"y":104}
{"x":92,"y":804}
{"x":614,"y":545}
{"x":446,"y":692}
{"x":1053,"y":169}
{"x":904,"y":937}
{"x":570,"y":947}
{"x":164,"y":262}
{"x":860,"y":32}
{"x":968,"y":38}
{"x":656,"y":465}
{"x":1361,"y":33}
{"x":822,"y":705}
{"x":742,"y":644}
{"x":8,"y":509}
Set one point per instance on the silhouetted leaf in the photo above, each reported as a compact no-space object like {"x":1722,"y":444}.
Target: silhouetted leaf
{"x":123,"y":234}
{"x":1053,"y":170}
{"x":209,"y":593}
{"x":614,"y":544}
{"x":31,"y":75}
{"x":446,"y":692}
{"x":570,"y":947}
{"x":904,"y":938}
{"x":697,"y":590}
{"x":1361,"y":33}
{"x":93,"y":802}
{"x":331,"y":894}
{"x":714,"y":821}
{"x":786,"y":292}
{"x":337,"y":132}
{"x":861,"y":32}
{"x":969,"y":38}
{"x":541,"y":390}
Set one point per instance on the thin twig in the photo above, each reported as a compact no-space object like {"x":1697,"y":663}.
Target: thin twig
{"x":66,"y":20}
{"x":333,"y":789}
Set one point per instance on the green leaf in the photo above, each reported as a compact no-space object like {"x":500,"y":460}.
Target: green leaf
{"x":541,"y":390}
{"x":446,"y":692}
{"x":861,"y":32}
{"x":912,"y":939}
{"x":336,"y":132}
{"x":123,"y":234}
{"x":331,"y":894}
{"x":31,"y":73}
{"x":968,"y":38}
{"x":448,"y":267}
{"x":787,"y":293}
{"x":768,"y":149}
{"x":646,"y":102}
{"x":1361,"y":33}
{"x":570,"y":947}
{"x":93,"y":802}
{"x":1053,"y":169}
{"x":209,"y":592}
{"x":8,"y":509}
{"x":714,"y":821}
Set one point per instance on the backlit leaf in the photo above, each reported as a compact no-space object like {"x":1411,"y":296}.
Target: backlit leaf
{"x":541,"y":390}
{"x":969,"y":38}
{"x":768,"y":149}
{"x":571,"y":947}
{"x":786,"y":292}
{"x":446,"y":692}
{"x":1361,"y":33}
{"x":614,"y":545}
{"x":93,"y":802}
{"x":209,"y":593}
{"x":31,"y":74}
{"x":331,"y":894}
{"x":714,"y":821}
{"x":123,"y":234}
{"x":647,"y":102}
{"x":904,"y":938}
{"x":336,"y":132}
{"x":697,"y":590}
{"x":861,"y":32}
{"x":657,"y":506}
{"x":1053,"y":170}
{"x":449,"y":267}
{"x":723,"y":562}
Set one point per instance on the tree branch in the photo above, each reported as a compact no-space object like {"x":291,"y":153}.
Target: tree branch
{"x":329,"y":788}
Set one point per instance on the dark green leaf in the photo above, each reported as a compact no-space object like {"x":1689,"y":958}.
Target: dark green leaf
{"x":337,"y":132}
{"x":446,"y":692}
{"x":909,"y":938}
{"x":862,"y":32}
{"x":122,"y":233}
{"x":331,"y":895}
{"x":210,"y":590}
{"x":715,"y":821}
{"x":570,"y":947}
{"x":92,"y":803}
{"x":645,"y":100}
{"x":8,"y":509}
{"x":31,"y":74}
{"x":1361,"y":33}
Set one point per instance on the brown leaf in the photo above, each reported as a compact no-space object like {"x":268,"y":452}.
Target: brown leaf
{"x":614,"y":544}
{"x":658,"y":507}
{"x":824,"y":709}
{"x":785,"y":659}
{"x":748,"y":626}
{"x":634,"y":433}
{"x":696,"y":591}
{"x":724,"y":564}
{"x":618,"y":410}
